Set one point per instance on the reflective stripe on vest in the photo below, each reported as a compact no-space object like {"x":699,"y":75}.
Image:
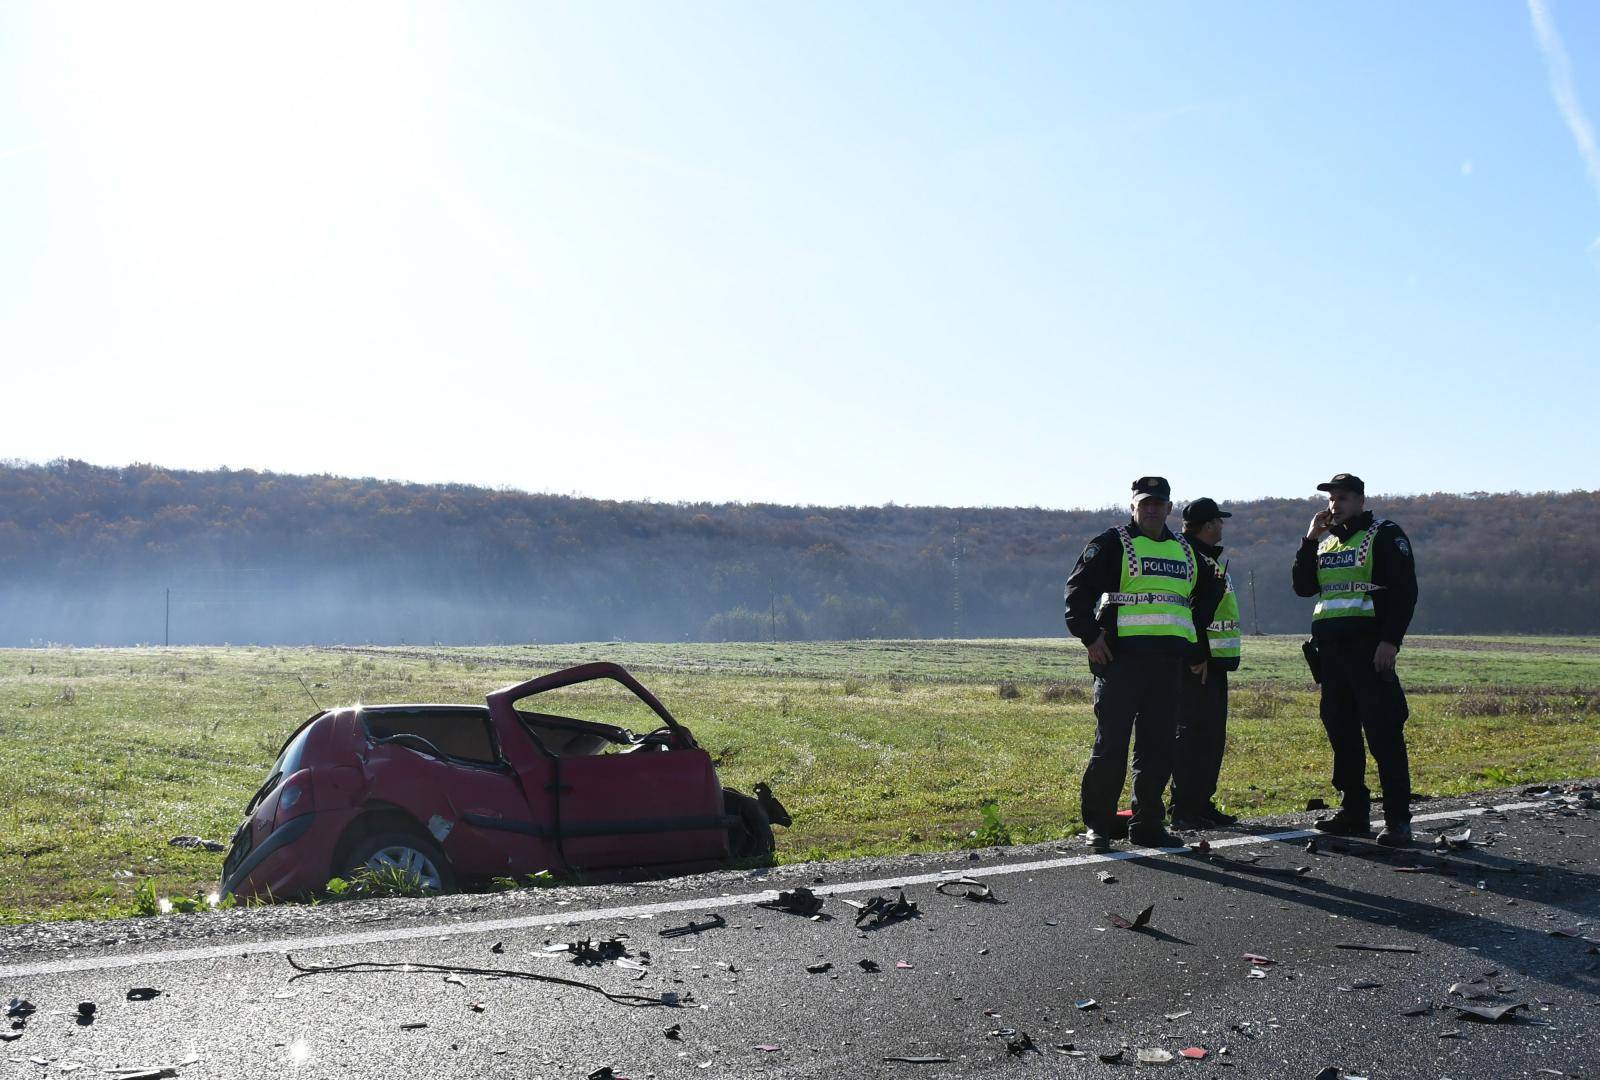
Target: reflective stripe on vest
{"x":1344,"y":567}
{"x":1224,"y":629}
{"x":1158,"y":579}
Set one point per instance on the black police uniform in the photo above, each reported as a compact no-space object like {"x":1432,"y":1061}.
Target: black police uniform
{"x":1358,"y":700}
{"x":1202,"y":726}
{"x":1137,"y":694}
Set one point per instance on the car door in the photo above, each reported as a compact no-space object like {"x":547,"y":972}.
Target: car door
{"x":612,"y":801}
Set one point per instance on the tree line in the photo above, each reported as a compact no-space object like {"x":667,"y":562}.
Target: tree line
{"x":96,"y":555}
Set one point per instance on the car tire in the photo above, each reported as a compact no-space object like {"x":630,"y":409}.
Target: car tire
{"x":751,"y":836}
{"x":406,"y":850}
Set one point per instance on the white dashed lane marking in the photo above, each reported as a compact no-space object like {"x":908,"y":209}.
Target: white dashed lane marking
{"x":698,"y":904}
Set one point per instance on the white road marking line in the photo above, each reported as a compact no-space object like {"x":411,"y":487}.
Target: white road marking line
{"x":705,"y":903}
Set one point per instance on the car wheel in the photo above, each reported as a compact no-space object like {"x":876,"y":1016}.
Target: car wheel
{"x":407,"y":852}
{"x":751,"y":836}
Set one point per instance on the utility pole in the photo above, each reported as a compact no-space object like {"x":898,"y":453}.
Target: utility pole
{"x":955,"y":577}
{"x":1255,"y":612}
{"x":166,"y":632}
{"x":772,"y":608}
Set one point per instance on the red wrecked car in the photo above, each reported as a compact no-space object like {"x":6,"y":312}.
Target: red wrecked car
{"x":451,"y":793}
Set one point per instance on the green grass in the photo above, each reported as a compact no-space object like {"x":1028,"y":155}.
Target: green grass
{"x":876,"y":747}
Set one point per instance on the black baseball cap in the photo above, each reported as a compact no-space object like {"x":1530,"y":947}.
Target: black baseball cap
{"x":1152,"y":487}
{"x":1203,"y":510}
{"x":1345,"y":480}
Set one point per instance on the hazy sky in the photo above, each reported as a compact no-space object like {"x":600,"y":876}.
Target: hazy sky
{"x":977,"y":253}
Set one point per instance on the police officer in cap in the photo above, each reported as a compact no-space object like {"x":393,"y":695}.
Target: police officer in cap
{"x":1361,"y":571}
{"x":1203,"y":721}
{"x":1139,"y":599}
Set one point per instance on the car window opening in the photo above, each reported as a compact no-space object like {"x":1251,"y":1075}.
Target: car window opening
{"x":463,"y":736}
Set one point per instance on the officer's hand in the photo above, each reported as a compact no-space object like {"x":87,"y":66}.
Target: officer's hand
{"x":1100,"y":651}
{"x":1383,"y":659}
{"x":1200,"y":670}
{"x":1319,"y":524}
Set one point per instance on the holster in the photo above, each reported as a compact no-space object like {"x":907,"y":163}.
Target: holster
{"x":1313,"y":660}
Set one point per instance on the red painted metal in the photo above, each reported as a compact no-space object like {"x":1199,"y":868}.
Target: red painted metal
{"x":599,"y":815}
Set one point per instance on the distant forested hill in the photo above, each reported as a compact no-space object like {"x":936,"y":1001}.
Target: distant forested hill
{"x":92,"y":555}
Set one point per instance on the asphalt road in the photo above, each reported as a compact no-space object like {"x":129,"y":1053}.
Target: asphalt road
{"x":951,"y":982}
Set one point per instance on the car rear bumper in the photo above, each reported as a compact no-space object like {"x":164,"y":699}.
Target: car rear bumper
{"x":294,"y":860}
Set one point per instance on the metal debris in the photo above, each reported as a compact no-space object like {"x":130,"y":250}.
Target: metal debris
{"x":716,"y":922}
{"x":919,"y":1060}
{"x":1368,"y":946}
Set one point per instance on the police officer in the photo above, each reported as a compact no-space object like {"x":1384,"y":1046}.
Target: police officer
{"x":1363,"y":575}
{"x":1139,"y":599}
{"x":1203,"y":720}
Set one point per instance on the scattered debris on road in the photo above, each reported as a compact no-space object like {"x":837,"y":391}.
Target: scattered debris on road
{"x":1107,"y":877}
{"x":881,"y":911}
{"x":143,"y":993}
{"x":197,"y":842}
{"x":716,"y":922}
{"x":1367,"y":946}
{"x":797,"y":901}
{"x":668,"y":999}
{"x":919,"y":1060}
{"x":1138,"y":922}
{"x":973,"y":890}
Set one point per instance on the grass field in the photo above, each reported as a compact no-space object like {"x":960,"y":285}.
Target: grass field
{"x":876,"y":747}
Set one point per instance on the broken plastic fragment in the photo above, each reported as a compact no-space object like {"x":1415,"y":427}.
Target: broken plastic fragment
{"x":1086,"y":1004}
{"x":868,"y":966}
{"x":413,"y":1025}
{"x":797,"y":901}
{"x":1257,"y":958}
{"x":1256,"y":973}
{"x":1154,"y":1055}
{"x":880,"y":910}
{"x":1477,"y":990}
{"x":1180,"y":1015}
{"x":1110,"y":1059}
{"x":1492,"y":1014}
{"x":768,"y":1048}
{"x":972,"y":890}
{"x":1419,"y":1010}
{"x":818,"y":969}
{"x":454,"y":979}
{"x":915,"y":1060}
{"x":1368,"y":946}
{"x":902,"y":965}
{"x":1020,"y":1045}
{"x":1107,"y":877}
{"x":675,"y":1032}
{"x":1138,"y":922}
{"x":1361,"y":984}
{"x":1194,"y":1053}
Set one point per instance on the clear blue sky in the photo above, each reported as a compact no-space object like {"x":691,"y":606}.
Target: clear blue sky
{"x":999,"y":254}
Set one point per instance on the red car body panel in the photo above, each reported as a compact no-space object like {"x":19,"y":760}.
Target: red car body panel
{"x":502,"y":792}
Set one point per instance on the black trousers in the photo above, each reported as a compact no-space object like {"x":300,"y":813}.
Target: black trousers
{"x":1202,"y":732}
{"x":1359,"y":702}
{"x":1136,"y":695}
